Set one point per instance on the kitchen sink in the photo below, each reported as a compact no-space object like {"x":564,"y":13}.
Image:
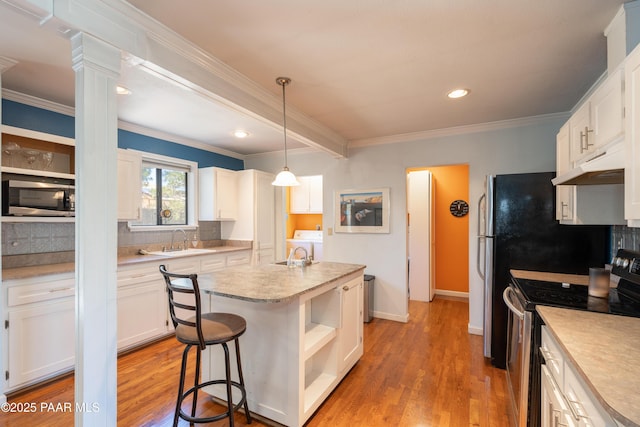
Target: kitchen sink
{"x":181,"y":253}
{"x":296,"y":263}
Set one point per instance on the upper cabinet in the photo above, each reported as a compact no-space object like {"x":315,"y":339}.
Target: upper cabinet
{"x":632,"y":139}
{"x":218,"y":194}
{"x":565,"y":194}
{"x":597,"y":126}
{"x":129,"y":185}
{"x":307,"y":197}
{"x":600,"y":120}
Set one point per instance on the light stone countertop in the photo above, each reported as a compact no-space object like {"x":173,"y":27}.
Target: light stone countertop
{"x":69,"y":267}
{"x":576,"y":279}
{"x":605,"y":350}
{"x":273,"y":283}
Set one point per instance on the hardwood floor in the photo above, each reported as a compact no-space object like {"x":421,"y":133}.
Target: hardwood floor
{"x":427,"y":372}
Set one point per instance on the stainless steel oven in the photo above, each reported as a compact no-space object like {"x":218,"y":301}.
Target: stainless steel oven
{"x":519,"y":341}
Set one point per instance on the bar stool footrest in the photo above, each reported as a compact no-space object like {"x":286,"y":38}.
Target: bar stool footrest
{"x":218,"y":416}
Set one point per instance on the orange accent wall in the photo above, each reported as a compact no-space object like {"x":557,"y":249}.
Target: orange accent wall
{"x":301,"y":221}
{"x":451,"y":233}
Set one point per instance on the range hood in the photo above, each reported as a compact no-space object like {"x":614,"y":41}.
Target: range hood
{"x":605,"y":168}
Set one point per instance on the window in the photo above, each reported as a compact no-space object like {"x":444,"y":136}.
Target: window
{"x":168,"y":193}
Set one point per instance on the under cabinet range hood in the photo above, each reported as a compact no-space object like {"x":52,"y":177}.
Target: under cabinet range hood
{"x":604,"y":168}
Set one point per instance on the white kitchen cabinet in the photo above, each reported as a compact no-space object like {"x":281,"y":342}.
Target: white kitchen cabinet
{"x":256,"y":215}
{"x":40,"y":329}
{"x":607,"y":111}
{"x":599,"y":121}
{"x":129,"y":185}
{"x":632,"y":139}
{"x":239,"y":258}
{"x":307,"y":197}
{"x":553,"y":407}
{"x":142,"y":305}
{"x":218,"y":191}
{"x":584,"y":204}
{"x":565,"y":194}
{"x":580,"y":131}
{"x":566,"y":399}
{"x":350,"y":347}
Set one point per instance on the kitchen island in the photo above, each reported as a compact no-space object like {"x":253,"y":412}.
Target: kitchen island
{"x":304,"y":333}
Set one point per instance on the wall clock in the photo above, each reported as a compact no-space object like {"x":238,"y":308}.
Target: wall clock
{"x":459,"y":208}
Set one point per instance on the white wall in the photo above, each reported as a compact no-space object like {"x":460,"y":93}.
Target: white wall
{"x":507,"y":148}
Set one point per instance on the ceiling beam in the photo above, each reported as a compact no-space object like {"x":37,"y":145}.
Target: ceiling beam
{"x":145,"y":42}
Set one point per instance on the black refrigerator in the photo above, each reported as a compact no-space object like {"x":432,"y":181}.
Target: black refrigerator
{"x":517,"y":229}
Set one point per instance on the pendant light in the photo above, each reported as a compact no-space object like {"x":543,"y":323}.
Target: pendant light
{"x":285,"y":178}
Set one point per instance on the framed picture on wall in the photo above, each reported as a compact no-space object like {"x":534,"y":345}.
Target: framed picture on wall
{"x":362,"y":211}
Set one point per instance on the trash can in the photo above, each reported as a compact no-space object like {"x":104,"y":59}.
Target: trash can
{"x":367,"y":314}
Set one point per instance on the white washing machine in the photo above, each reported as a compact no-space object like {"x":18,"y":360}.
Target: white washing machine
{"x":311,"y":240}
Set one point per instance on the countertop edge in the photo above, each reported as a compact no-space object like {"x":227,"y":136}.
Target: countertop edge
{"x":285,"y":299}
{"x":608,"y":406}
{"x":17,"y":273}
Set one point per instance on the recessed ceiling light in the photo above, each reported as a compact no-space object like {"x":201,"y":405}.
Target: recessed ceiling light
{"x":241,"y":133}
{"x":121,"y":90}
{"x":458,"y":93}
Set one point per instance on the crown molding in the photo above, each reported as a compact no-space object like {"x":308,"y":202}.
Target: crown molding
{"x":457,"y":130}
{"x":38,"y":102}
{"x":6,"y":63}
{"x":131,"y":127}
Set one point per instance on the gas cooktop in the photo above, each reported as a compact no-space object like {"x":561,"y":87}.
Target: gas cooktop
{"x":625,"y":300}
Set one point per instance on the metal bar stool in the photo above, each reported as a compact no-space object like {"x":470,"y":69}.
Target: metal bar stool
{"x":193,"y":328}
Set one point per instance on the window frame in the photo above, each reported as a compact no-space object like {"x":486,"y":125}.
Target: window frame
{"x":192,"y":191}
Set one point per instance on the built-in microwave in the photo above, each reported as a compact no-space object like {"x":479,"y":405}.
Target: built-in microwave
{"x":43,"y":197}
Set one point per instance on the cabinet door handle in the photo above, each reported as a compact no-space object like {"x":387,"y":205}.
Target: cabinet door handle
{"x":577,"y":410}
{"x":563,"y":205}
{"x":584,"y":136}
{"x":60,"y":289}
{"x":345,"y":288}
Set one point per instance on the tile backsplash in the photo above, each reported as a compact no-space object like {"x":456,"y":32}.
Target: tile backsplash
{"x":20,"y":238}
{"x":23,"y":238}
{"x":624,"y":237}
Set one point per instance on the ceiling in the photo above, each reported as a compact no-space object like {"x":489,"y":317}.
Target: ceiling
{"x":368,"y":70}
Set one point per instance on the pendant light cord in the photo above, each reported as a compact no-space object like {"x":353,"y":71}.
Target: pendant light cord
{"x":283,"y":81}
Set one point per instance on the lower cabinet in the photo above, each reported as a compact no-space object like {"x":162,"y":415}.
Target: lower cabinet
{"x":350,"y":347}
{"x":554,"y":409}
{"x":565,"y":399}
{"x":142,"y":313}
{"x":142,"y":305}
{"x":40,"y":329}
{"x":40,"y":314}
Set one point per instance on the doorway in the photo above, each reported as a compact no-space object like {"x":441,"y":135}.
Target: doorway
{"x":438,"y":255}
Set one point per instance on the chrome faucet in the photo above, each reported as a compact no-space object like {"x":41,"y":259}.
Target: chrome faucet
{"x":306,"y":255}
{"x":184,"y":242}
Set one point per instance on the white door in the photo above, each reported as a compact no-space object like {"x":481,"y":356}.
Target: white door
{"x":420,"y":235}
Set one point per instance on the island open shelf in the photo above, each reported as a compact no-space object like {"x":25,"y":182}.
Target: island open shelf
{"x":294,"y":346}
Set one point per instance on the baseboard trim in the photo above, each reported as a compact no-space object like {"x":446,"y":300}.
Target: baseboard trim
{"x":394,"y":317}
{"x":473,"y":330}
{"x":455,"y":294}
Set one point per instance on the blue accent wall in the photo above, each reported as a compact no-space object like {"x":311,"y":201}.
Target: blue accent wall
{"x":149,"y":144}
{"x":41,"y":120}
{"x":37,"y":119}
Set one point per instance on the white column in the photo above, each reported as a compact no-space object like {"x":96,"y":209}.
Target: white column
{"x":97,"y":66}
{"x":5,"y":64}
